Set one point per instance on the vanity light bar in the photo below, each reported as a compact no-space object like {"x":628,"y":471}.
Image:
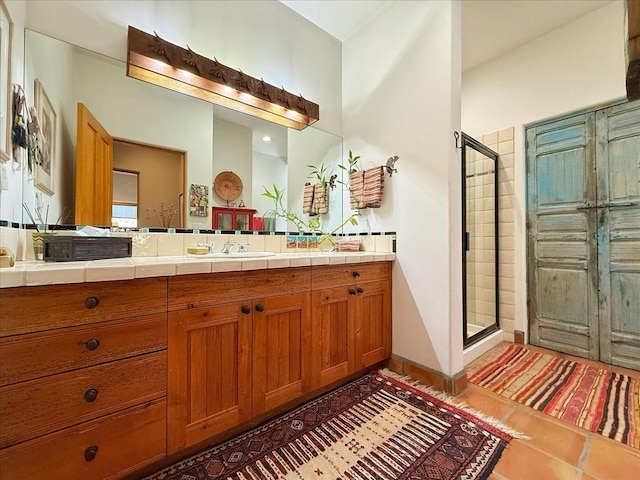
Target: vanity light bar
{"x":154,"y":60}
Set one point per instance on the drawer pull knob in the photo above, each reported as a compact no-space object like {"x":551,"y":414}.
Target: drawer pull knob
{"x":91,"y":395}
{"x":360,"y":290}
{"x":91,"y":302}
{"x":90,"y":453}
{"x":245,"y":309}
{"x":92,"y":344}
{"x":355,"y":274}
{"x":352,"y":291}
{"x":260,"y":307}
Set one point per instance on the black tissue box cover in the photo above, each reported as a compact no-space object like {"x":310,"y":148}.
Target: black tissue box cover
{"x":65,"y":248}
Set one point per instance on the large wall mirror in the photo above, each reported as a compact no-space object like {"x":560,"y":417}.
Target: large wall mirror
{"x":195,"y":138}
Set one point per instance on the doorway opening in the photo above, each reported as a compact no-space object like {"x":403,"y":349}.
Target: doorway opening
{"x":160,"y":182}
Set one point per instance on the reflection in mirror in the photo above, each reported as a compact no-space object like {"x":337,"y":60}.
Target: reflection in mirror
{"x":480,"y":240}
{"x":211,"y":139}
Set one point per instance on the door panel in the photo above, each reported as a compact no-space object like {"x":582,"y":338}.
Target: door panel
{"x":94,"y":171}
{"x":618,"y":163}
{"x":562,"y":272}
{"x":374,"y":323}
{"x":332,"y":333}
{"x":281,"y":350}
{"x":210,"y":373}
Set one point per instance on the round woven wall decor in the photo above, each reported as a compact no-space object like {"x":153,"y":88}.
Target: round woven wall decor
{"x":227,"y":186}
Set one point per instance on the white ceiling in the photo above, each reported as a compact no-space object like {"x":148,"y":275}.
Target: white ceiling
{"x":489,"y":27}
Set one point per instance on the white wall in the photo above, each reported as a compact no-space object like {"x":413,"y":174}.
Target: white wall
{"x":267,"y":171}
{"x":401,"y":95}
{"x":572,"y":68}
{"x":232,"y":151}
{"x":11,"y":199}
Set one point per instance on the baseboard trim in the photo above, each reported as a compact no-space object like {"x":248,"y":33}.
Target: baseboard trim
{"x":452,"y":385}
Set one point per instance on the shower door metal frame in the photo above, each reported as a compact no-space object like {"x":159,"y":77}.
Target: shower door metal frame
{"x":467,"y":141}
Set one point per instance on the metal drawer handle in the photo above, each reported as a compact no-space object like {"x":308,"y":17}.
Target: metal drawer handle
{"x":360,"y":290}
{"x":91,"y":395}
{"x":352,"y":291}
{"x":259,"y":307}
{"x":90,"y":453}
{"x":91,"y":302}
{"x":355,"y":273}
{"x":92,"y":344}
{"x":246,"y":309}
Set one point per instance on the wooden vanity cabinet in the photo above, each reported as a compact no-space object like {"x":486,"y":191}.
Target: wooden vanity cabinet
{"x":239,"y":345}
{"x":351,"y":325}
{"x":82,"y":379}
{"x":98,"y":380}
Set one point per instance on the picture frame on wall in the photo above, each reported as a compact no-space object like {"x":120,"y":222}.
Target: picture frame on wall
{"x":198,"y":200}
{"x":45,"y":163}
{"x":6,"y":113}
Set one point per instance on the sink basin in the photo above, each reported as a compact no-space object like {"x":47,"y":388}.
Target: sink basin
{"x":235,"y":255}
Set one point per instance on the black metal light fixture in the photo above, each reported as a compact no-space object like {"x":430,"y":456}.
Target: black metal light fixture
{"x":154,"y":60}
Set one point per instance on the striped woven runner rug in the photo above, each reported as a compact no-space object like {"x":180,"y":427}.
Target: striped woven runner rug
{"x":596,"y":399}
{"x":375,"y":428}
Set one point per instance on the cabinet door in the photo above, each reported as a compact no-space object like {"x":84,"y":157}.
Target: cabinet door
{"x":209,"y":372}
{"x":373,"y":323}
{"x":281,"y":350}
{"x":333,"y":334}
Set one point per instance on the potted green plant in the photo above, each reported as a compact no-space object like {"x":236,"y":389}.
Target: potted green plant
{"x":354,"y":166}
{"x":313,"y":225}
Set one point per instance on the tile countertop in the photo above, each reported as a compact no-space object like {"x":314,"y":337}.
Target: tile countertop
{"x":33,"y":273}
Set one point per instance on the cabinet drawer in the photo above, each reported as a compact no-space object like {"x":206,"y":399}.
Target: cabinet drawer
{"x":123,"y":442}
{"x":33,"y":309}
{"x":193,"y":291}
{"x":25,"y":357}
{"x":350,"y":274}
{"x":38,"y":407}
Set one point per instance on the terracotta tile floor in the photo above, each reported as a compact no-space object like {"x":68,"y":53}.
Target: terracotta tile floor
{"x":557,"y":450}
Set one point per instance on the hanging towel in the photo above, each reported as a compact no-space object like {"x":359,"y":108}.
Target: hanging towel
{"x":373,"y":187}
{"x":320,"y":203}
{"x":307,"y":198}
{"x":347,"y":245}
{"x":356,"y":186}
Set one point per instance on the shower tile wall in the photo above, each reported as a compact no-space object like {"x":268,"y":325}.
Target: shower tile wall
{"x":502,"y":142}
{"x":481,"y":291}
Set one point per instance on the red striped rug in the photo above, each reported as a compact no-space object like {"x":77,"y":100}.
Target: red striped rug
{"x":376,"y":427}
{"x":593,"y":398}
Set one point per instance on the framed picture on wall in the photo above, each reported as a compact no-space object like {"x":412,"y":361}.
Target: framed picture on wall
{"x":46,"y":137}
{"x":6,"y":114}
{"x":198,"y":200}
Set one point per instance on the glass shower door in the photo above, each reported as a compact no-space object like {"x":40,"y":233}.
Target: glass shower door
{"x":479,"y":240}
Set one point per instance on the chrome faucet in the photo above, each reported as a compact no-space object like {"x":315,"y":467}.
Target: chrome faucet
{"x":226,"y":248}
{"x":209,"y":246}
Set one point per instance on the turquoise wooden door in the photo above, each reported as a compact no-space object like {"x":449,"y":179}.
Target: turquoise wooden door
{"x":561,"y":236}
{"x":618,"y":219}
{"x":583,"y":234}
